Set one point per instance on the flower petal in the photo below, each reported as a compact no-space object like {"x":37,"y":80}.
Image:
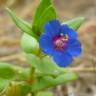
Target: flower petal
{"x":63,"y":60}
{"x":72,"y":34}
{"x":52,"y":28}
{"x":74,"y":47}
{"x":45,"y":44}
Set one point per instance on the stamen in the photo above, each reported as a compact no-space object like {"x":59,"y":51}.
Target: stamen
{"x":60,"y":42}
{"x":66,"y":36}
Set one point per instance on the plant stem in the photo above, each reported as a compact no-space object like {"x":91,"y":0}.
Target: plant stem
{"x":32,"y":75}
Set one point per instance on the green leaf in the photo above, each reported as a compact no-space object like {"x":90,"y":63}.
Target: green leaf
{"x":49,"y":74}
{"x":25,"y":89}
{"x":29,"y":44}
{"x":44,"y":65}
{"x":49,"y":66}
{"x":33,"y":60}
{"x":23,"y":74}
{"x":60,"y":79}
{"x":75,"y":23}
{"x":44,"y":13}
{"x":45,"y":94}
{"x":49,"y":81}
{"x":18,"y":89}
{"x":48,"y":15}
{"x":41,"y":8}
{"x":3,"y":84}
{"x":7,"y":71}
{"x":23,"y":25}
{"x":11,"y":72}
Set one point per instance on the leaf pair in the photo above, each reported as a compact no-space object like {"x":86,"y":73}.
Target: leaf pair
{"x":44,"y":65}
{"x":9,"y":73}
{"x":48,"y":73}
{"x":44,"y":13}
{"x":44,"y":82}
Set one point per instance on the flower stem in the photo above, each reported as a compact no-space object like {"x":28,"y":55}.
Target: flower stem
{"x":32,"y":75}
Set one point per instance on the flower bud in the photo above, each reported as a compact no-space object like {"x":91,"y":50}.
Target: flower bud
{"x":29,"y":44}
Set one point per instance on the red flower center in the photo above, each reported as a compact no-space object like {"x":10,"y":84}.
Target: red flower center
{"x":60,"y":42}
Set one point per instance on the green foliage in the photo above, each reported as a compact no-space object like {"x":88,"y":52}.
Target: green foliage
{"x":29,"y":44}
{"x":44,"y":65}
{"x":3,"y":84}
{"x":10,"y":72}
{"x":24,"y":89}
{"x":49,"y":74}
{"x":46,"y":81}
{"x":23,"y":74}
{"x":18,"y":89}
{"x":75,"y":23}
{"x":23,"y":25}
{"x":41,"y":8}
{"x":46,"y":73}
{"x":44,"y":13}
{"x":9,"y":75}
{"x":7,"y":71}
{"x":45,"y":94}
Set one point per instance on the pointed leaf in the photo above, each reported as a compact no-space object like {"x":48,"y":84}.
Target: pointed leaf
{"x":48,"y":15}
{"x":44,"y":13}
{"x":75,"y":23}
{"x":60,"y":79}
{"x":41,"y":8}
{"x":49,"y":81}
{"x":23,"y":25}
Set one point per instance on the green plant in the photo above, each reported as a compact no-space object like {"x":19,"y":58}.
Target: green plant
{"x":43,"y":73}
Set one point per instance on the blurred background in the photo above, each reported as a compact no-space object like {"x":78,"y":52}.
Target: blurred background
{"x":85,"y":66}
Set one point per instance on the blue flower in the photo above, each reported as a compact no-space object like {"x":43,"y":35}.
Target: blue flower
{"x":60,"y":42}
